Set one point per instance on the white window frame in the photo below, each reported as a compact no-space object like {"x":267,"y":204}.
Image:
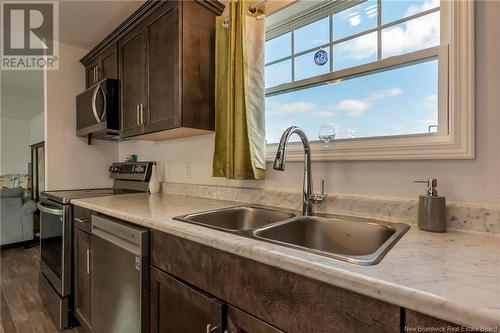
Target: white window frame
{"x":456,"y":100}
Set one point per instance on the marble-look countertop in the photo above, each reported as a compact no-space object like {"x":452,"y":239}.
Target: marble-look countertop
{"x":453,"y":276}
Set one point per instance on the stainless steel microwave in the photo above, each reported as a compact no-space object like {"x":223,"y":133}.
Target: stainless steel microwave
{"x":97,"y":111}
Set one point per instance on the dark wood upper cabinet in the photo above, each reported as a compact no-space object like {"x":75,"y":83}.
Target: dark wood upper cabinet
{"x":109,"y":63}
{"x":164,"y":65}
{"x":176,"y":307}
{"x":103,"y":65}
{"x":164,"y":54}
{"x":91,"y":73}
{"x":132,"y":81}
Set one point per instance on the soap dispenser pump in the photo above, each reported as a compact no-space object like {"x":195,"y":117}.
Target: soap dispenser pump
{"x":431,"y":208}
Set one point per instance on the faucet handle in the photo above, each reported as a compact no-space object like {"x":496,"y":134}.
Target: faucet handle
{"x":319,"y":198}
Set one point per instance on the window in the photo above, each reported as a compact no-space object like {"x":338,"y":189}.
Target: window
{"x":380,"y":71}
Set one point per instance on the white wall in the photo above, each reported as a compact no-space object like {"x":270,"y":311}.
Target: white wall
{"x":70,"y":162}
{"x":22,"y":104}
{"x":15,"y":141}
{"x":37,"y":128}
{"x":475,"y":181}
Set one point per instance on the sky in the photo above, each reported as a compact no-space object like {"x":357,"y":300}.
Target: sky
{"x":394,"y":102}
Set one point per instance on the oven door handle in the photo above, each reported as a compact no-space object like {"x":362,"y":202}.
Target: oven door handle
{"x":48,"y":210}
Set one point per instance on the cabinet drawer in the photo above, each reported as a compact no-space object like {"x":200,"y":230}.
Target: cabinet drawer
{"x":288,"y":301}
{"x":81,"y":218}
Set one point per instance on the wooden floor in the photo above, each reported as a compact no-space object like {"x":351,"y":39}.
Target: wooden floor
{"x":20,"y":306}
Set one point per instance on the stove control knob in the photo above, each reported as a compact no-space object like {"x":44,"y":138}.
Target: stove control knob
{"x":140,"y":169}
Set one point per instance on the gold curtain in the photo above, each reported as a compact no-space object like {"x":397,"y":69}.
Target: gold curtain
{"x":239,"y":100}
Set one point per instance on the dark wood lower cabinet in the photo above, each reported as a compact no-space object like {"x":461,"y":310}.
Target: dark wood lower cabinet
{"x":196,"y":288}
{"x":419,"y":322}
{"x":288,"y":301}
{"x":177,"y":307}
{"x":241,"y":322}
{"x":82,"y":277}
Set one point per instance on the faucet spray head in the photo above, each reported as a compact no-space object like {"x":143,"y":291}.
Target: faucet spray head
{"x":279,"y":161}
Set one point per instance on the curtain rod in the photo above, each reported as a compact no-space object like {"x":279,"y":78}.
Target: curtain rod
{"x":253,"y":9}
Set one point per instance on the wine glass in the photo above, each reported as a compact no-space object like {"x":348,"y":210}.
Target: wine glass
{"x":326,"y":133}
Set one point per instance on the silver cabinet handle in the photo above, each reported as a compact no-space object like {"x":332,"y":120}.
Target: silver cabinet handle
{"x":137,"y":114}
{"x":141,"y":108}
{"x":82,"y":220}
{"x":212,"y":328}
{"x":88,"y":261}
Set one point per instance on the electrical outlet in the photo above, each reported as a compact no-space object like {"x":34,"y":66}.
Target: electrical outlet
{"x":187,"y":170}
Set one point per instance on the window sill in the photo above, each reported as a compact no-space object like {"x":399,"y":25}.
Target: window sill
{"x":416,"y":147}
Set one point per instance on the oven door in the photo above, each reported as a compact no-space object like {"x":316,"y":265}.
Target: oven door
{"x":55,"y":245}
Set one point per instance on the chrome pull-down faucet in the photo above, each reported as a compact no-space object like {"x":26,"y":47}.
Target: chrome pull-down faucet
{"x":308,"y":198}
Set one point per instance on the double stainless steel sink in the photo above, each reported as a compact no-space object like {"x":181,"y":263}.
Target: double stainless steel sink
{"x":358,"y":241}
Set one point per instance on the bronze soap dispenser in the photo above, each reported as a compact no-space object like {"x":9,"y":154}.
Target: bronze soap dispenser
{"x":431,"y":208}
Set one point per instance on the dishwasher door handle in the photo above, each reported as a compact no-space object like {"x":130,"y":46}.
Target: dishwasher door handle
{"x":125,"y":236}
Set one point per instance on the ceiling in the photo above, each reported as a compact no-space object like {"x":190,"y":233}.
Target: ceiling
{"x":82,"y":24}
{"x":85,"y":23}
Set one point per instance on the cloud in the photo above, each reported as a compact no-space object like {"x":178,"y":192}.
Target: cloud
{"x":360,"y":48}
{"x":353,"y":107}
{"x":299,"y":107}
{"x":324,"y":113}
{"x":356,"y":107}
{"x":413,"y":35}
{"x":294,"y":107}
{"x":414,"y":9}
{"x":429,"y":102}
{"x":379,"y":95}
{"x":355,"y":19}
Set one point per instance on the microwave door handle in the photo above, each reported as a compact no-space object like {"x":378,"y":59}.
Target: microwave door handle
{"x":94,"y":107}
{"x":103,"y":114}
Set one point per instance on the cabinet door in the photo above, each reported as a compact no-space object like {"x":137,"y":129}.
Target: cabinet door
{"x":82,"y":277}
{"x":132,"y":81}
{"x":241,"y":322}
{"x":416,"y":320}
{"x":109,"y":63}
{"x":91,"y":73}
{"x":163,"y":47}
{"x":176,"y":307}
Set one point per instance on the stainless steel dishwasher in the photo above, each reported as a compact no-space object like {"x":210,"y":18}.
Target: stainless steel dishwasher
{"x":120,"y":274}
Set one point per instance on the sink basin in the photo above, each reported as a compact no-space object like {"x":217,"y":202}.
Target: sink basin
{"x":241,"y":218}
{"x":363,"y":243}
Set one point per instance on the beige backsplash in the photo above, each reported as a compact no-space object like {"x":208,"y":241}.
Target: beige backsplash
{"x":466,"y":217}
